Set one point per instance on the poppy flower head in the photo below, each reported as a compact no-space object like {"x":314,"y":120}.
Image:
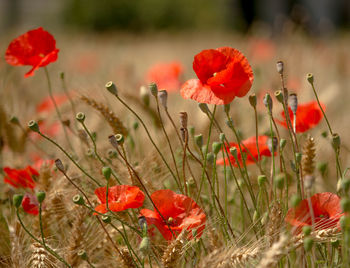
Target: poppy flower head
{"x":165,"y":75}
{"x":326,"y":210}
{"x":308,"y":116}
{"x":21,"y":178}
{"x":249,"y":146}
{"x":120,"y":197}
{"x":36,"y":48}
{"x":179,"y":212}
{"x":30,"y":204}
{"x":224,"y":73}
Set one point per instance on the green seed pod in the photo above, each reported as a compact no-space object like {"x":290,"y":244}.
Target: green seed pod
{"x":199,"y":140}
{"x":111,"y":87}
{"x":33,"y":126}
{"x":119,"y":138}
{"x":298,"y":157}
{"x":80,"y":117}
{"x":233,"y":151}
{"x":308,"y":243}
{"x":295,"y":200}
{"x":204,"y":107}
{"x":144,"y":95}
{"x":40,"y":196}
{"x":107,"y":171}
{"x":78,"y":199}
{"x":153,"y":88}
{"x":279,"y":180}
{"x":106,"y":219}
{"x":17,"y":200}
{"x":210,"y":158}
{"x":345,"y":204}
{"x":279,"y":96}
{"x":307,"y":230}
{"x":82,"y":254}
{"x":262,"y":180}
{"x":335,"y":141}
{"x":283,"y":143}
{"x":222,"y":137}
{"x":253,"y":100}
{"x":216,"y":147}
{"x":310,"y":78}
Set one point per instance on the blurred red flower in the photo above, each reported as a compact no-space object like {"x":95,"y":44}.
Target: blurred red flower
{"x":120,"y":197}
{"x":165,"y":75}
{"x":326,"y":210}
{"x":223,"y":74}
{"x":47,"y":106}
{"x":179,"y":211}
{"x":308,"y":116}
{"x":250,"y":145}
{"x":20,"y":178}
{"x":30,"y":204}
{"x":36,"y":48}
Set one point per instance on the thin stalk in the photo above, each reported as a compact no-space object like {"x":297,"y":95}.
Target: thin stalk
{"x":41,"y":223}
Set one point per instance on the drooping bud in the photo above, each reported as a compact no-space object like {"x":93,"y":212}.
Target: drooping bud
{"x":293,"y":102}
{"x":144,"y":95}
{"x":163,"y":98}
{"x":153,"y":88}
{"x":40,"y":196}
{"x":268,"y":102}
{"x":279,"y":96}
{"x":143,"y":224}
{"x":229,"y":123}
{"x":17,"y":200}
{"x":111,"y":87}
{"x":80,"y":117}
{"x":204,"y":107}
{"x":280,"y":67}
{"x":183,"y":119}
{"x":33,"y":126}
{"x":59,"y":165}
{"x":216,"y":146}
{"x":253,"y":100}
{"x":107,"y":171}
{"x":144,"y":246}
{"x":345,"y":184}
{"x":199,"y":140}
{"x":310,"y":78}
{"x":78,"y":200}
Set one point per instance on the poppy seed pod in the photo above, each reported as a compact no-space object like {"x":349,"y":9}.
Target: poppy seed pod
{"x":293,"y":102}
{"x":261,"y":180}
{"x":279,"y":180}
{"x":233,"y":151}
{"x":17,"y":200}
{"x":336,"y":141}
{"x":163,"y":98}
{"x":106,"y":219}
{"x":153,"y":88}
{"x":119,"y":138}
{"x":210,"y":158}
{"x":199,"y":140}
{"x":144,"y":94}
{"x":59,"y":165}
{"x":78,"y":200}
{"x":268,"y":102}
{"x":253,"y":100}
{"x":40,"y":196}
{"x":310,"y":78}
{"x":279,"y":96}
{"x":216,"y":147}
{"x":82,"y":254}
{"x":14,"y":120}
{"x":33,"y":126}
{"x":107,"y":171}
{"x":80,"y":117}
{"x":204,"y":107}
{"x":280,"y":67}
{"x":183,"y":119}
{"x":111,"y":87}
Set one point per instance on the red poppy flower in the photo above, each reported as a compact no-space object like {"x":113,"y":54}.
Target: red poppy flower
{"x":165,"y":75}
{"x":326,"y":210}
{"x":308,"y":116}
{"x":224,"y":73}
{"x":47,"y":106}
{"x":36,"y":48}
{"x":179,"y":211}
{"x":120,"y":197}
{"x":250,"y":145}
{"x":20,"y":177}
{"x":30,"y":204}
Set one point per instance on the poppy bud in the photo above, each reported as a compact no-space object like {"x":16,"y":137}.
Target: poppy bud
{"x":279,"y":96}
{"x":222,"y":137}
{"x":144,"y":246}
{"x":261,"y":180}
{"x":107,"y":171}
{"x":310,"y":78}
{"x":298,"y":157}
{"x":33,"y":126}
{"x":82,"y":254}
{"x":111,"y":87}
{"x":253,"y":100}
{"x":144,"y":94}
{"x":210,"y":158}
{"x":279,"y":66}
{"x":279,"y":180}
{"x":163,"y":98}
{"x":229,"y":123}
{"x":308,"y":243}
{"x":204,"y":107}
{"x":283,"y":143}
{"x":106,"y":219}
{"x":183,"y":119}
{"x":272,"y":144}
{"x":78,"y":200}
{"x":119,"y":138}
{"x":293,"y":102}
{"x":345,"y":184}
{"x":143,"y":223}
{"x":233,"y":151}
{"x":40,"y":196}
{"x":199,"y":140}
{"x":295,"y":200}
{"x":307,"y":230}
{"x":191,"y":130}
{"x":80,"y":117}
{"x":153,"y":88}
{"x":268,"y":102}
{"x":335,"y":141}
{"x":17,"y":200}
{"x":216,"y":146}
{"x":59,"y":165}
{"x":345,"y":204}
{"x":14,"y":120}
{"x":227,"y":108}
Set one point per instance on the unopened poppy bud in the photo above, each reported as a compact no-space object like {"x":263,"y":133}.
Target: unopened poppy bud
{"x":308,"y":243}
{"x":17,"y":200}
{"x":144,"y":94}
{"x":253,"y":100}
{"x":345,"y":204}
{"x":222,"y":137}
{"x":227,"y":108}
{"x":262,"y":180}
{"x":143,"y":223}
{"x":216,"y":146}
{"x":199,"y":140}
{"x":107,"y":171}
{"x":106,"y":219}
{"x":191,"y":130}
{"x":59,"y":165}
{"x":310,"y":78}
{"x":163,"y":98}
{"x":210,"y":158}
{"x":309,"y":181}
{"x":33,"y":126}
{"x":295,"y":200}
{"x":119,"y":138}
{"x":293,"y":102}
{"x":233,"y":151}
{"x":283,"y":143}
{"x":153,"y":88}
{"x":144,"y":246}
{"x":78,"y":199}
{"x":307,"y":230}
{"x":183,"y":119}
{"x":345,"y":184}
{"x":279,"y":180}
{"x":40,"y":196}
{"x":279,"y":96}
{"x":272,"y":144}
{"x":111,"y":87}
{"x":280,"y":67}
{"x":268,"y":102}
{"x":229,"y":123}
{"x":336,"y":141}
{"x":82,"y":254}
{"x":80,"y":117}
{"x":14,"y":120}
{"x":204,"y":107}
{"x":298,"y":157}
